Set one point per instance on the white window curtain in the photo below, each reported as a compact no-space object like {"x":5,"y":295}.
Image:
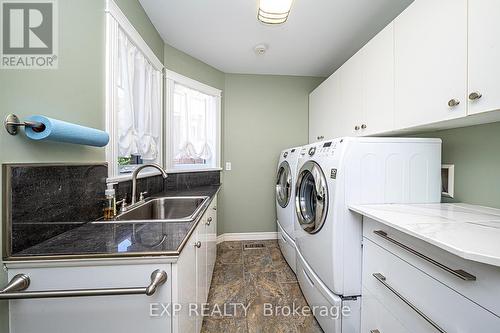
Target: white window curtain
{"x":139,"y":103}
{"x":194,"y":126}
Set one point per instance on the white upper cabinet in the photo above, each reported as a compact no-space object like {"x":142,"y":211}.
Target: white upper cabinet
{"x":484,"y":56}
{"x":430,"y":62}
{"x":324,"y":104}
{"x":378,"y":68}
{"x":352,"y":88}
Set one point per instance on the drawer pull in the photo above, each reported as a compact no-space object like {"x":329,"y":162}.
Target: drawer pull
{"x":382,"y":280}
{"x":15,"y":289}
{"x":459,"y":273}
{"x":374,"y":331}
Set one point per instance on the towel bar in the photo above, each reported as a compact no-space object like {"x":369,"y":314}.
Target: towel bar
{"x":12,"y":122}
{"x":15,"y":289}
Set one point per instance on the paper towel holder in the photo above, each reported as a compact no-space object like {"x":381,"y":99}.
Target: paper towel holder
{"x":12,"y":123}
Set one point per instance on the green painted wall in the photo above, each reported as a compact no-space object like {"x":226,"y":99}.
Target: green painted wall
{"x":264,"y":114}
{"x":475,"y":152}
{"x":182,"y":63}
{"x":74,"y":92}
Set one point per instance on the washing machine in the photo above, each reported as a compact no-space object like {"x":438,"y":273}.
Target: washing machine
{"x":285,"y":207}
{"x":333,"y":174}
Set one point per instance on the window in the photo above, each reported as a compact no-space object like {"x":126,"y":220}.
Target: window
{"x":194,"y":124}
{"x":134,"y":97}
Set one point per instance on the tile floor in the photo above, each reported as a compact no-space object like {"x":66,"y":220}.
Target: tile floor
{"x":257,"y":278}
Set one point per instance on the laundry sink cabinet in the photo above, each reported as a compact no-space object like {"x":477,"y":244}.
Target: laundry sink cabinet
{"x":167,"y":310}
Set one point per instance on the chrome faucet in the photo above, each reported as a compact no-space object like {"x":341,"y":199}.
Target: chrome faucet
{"x":136,"y":172}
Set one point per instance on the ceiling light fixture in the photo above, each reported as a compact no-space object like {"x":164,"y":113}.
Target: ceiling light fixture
{"x":274,"y":11}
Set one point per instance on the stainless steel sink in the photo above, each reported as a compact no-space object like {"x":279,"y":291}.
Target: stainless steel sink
{"x":163,"y":209}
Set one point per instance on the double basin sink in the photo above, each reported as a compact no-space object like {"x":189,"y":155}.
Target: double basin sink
{"x":163,"y":210}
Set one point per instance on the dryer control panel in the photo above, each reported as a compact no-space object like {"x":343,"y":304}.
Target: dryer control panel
{"x":327,"y":148}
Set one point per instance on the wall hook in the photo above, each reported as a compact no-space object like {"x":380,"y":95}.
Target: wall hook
{"x":12,"y":123}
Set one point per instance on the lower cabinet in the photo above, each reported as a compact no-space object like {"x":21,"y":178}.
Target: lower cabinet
{"x":176,"y":306}
{"x":129,"y":313}
{"x":193,"y":273}
{"x":404,"y":294}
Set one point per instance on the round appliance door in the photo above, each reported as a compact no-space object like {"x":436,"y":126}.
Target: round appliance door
{"x":311,"y":197}
{"x":283,"y":184}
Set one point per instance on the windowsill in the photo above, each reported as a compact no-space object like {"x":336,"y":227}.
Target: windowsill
{"x":150,"y":173}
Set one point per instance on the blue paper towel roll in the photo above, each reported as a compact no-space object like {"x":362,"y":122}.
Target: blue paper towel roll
{"x":61,"y":131}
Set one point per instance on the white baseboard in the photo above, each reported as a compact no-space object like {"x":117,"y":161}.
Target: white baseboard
{"x":243,"y":236}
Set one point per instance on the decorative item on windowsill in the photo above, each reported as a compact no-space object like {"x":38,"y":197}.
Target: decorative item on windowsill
{"x":42,"y":128}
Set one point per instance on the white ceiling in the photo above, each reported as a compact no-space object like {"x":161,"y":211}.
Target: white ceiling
{"x":319,"y":36}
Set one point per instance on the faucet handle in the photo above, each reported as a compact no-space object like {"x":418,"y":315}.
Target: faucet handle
{"x":141,"y":195}
{"x":123,"y":205}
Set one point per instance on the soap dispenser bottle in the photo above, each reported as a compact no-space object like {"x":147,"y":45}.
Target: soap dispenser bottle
{"x":110,"y":207}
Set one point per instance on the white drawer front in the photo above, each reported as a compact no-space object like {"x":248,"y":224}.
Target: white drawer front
{"x":311,"y":288}
{"x":442,"y":305}
{"x":129,"y":313}
{"x":287,"y":247}
{"x":483,"y":291}
{"x":375,"y":317}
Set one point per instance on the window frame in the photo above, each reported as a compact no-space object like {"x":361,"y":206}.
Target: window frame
{"x":170,"y":79}
{"x":116,"y":19}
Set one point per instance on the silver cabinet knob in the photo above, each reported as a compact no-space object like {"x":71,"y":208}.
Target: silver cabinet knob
{"x":475,"y":95}
{"x":453,"y":102}
{"x":209,"y":220}
{"x":356,"y":128}
{"x":363,"y":126}
{"x":197,"y":244}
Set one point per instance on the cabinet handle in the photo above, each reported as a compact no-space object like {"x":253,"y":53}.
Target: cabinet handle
{"x":374,"y":331}
{"x":380,"y":278}
{"x":214,"y":208}
{"x":320,"y":137}
{"x":453,"y":102}
{"x":363,"y":126}
{"x":197,"y":244}
{"x":15,"y":289}
{"x":475,"y":95}
{"x":459,"y":273}
{"x":356,"y":128}
{"x":209,"y":220}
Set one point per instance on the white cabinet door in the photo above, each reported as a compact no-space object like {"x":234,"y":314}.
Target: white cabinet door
{"x":184,"y":291}
{"x":201,"y":267}
{"x":484,"y":56}
{"x":211,"y":241}
{"x":430,"y":62}
{"x":324,"y":104}
{"x":350,"y":116}
{"x":378,"y":67}
{"x":113,"y":314}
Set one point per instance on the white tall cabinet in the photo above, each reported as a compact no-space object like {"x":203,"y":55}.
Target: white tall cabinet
{"x":484,"y":56}
{"x":430,"y":44}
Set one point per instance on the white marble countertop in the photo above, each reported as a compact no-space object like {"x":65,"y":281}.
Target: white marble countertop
{"x":468,"y":231}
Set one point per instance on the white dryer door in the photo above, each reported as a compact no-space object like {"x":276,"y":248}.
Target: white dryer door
{"x":283,"y":184}
{"x":311,"y":197}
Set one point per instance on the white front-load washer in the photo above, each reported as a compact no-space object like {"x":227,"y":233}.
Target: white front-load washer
{"x":334,"y":174}
{"x":285,"y":208}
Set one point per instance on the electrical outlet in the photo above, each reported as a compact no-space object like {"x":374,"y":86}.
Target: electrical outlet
{"x":228,"y":166}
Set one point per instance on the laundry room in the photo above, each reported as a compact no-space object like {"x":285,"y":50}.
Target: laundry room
{"x":250,"y":166}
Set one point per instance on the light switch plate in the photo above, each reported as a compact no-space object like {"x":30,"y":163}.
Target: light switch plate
{"x":228,"y":166}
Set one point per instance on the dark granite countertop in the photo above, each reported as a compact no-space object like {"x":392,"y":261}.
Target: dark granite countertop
{"x":117,"y":240}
